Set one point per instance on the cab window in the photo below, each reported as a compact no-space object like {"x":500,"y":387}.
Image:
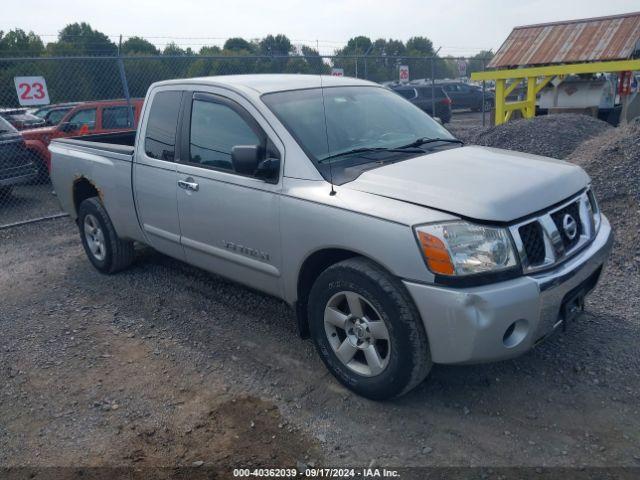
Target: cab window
{"x":215,"y":129}
{"x":160,"y":139}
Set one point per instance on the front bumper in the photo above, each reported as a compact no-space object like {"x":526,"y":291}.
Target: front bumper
{"x":473,"y":324}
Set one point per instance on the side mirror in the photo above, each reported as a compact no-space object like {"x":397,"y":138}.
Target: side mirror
{"x":246,"y":158}
{"x":250,"y":160}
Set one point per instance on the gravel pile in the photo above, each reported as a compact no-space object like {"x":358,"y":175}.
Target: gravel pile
{"x":549,"y":135}
{"x":612,"y":159}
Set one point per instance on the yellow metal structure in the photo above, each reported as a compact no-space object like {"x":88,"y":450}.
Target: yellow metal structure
{"x":536,"y":79}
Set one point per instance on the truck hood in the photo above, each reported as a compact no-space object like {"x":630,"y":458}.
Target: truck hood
{"x":476,"y":182}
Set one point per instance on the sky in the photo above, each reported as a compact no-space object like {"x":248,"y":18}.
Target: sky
{"x":459,"y":27}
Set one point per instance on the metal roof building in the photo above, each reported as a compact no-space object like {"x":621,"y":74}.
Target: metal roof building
{"x":535,"y":55}
{"x":614,"y":37}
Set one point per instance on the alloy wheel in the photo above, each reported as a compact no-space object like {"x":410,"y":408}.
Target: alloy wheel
{"x":357,"y":333}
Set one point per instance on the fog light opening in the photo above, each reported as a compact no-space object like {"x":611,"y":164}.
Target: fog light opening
{"x":515,"y":333}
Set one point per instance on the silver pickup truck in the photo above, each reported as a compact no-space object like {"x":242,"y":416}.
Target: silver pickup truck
{"x":397,"y":246}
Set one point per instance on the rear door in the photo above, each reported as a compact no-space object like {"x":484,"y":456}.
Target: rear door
{"x":82,"y":122}
{"x":452,"y":91}
{"x":229,"y":222}
{"x":154,"y":172}
{"x":466,"y":97}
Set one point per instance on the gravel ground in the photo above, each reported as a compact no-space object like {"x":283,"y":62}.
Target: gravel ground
{"x":28,"y":202}
{"x":167,"y":365}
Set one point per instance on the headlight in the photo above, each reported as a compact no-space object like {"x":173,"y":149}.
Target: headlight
{"x":462,"y":248}
{"x":595,"y":210}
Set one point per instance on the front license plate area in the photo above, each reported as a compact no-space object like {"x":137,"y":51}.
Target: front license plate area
{"x":572,"y":307}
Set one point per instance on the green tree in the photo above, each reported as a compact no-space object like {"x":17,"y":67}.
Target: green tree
{"x":81,"y":39}
{"x":275,"y":45}
{"x":138,"y":46}
{"x":210,"y":50}
{"x":357,"y":45}
{"x":315,"y":63}
{"x":19,"y":43}
{"x":419,"y":46}
{"x":172,"y":48}
{"x":239,"y":45}
{"x":478,"y":61}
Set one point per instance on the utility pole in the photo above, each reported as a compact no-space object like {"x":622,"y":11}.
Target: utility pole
{"x":433,"y":82}
{"x":356,"y":57}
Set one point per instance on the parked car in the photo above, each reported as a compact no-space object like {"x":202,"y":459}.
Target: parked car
{"x":53,"y":114}
{"x":16,"y":163}
{"x":421,"y":96}
{"x":21,"y":119}
{"x":87,"y":117}
{"x":463,"y":95}
{"x":397,"y":246}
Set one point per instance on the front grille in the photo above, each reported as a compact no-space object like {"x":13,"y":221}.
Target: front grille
{"x":573,"y":210}
{"x":533,"y":242}
{"x":546,"y":240}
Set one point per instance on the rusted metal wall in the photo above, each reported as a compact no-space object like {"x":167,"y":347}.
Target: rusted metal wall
{"x":588,"y":40}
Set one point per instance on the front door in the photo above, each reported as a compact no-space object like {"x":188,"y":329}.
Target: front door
{"x":229,"y":222}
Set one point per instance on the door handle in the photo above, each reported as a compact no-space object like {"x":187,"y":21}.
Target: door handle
{"x":188,"y":184}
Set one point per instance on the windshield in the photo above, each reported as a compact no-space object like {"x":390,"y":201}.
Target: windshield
{"x":55,"y":116}
{"x":363,"y":125}
{"x":357,"y":117}
{"x":6,"y":126}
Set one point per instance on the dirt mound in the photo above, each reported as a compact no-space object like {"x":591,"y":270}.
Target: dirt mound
{"x":549,"y":135}
{"x":612,"y":159}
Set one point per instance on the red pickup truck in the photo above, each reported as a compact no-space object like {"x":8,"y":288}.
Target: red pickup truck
{"x":103,"y":116}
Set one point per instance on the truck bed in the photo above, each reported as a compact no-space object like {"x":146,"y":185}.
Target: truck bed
{"x":103,"y":162}
{"x":119,"y":142}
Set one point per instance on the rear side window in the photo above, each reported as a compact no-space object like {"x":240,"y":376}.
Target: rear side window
{"x":84,"y":119}
{"x":116,"y":117}
{"x":215,"y":130}
{"x":426,"y":92}
{"x":408,"y":93}
{"x":160,"y":139}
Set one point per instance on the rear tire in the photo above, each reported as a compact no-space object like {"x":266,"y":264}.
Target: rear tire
{"x":105,"y":250}
{"x":367,"y":330}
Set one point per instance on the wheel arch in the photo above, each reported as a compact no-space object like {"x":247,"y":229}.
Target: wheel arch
{"x":83,"y":188}
{"x":313,"y":265}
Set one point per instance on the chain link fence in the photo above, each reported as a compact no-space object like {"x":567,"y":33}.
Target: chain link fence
{"x":104,"y":94}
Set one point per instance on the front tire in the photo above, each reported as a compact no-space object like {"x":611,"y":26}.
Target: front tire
{"x":106,"y":251}
{"x":367,"y":330}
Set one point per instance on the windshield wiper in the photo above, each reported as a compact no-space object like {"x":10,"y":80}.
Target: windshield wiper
{"x":424,"y":140}
{"x":367,"y":150}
